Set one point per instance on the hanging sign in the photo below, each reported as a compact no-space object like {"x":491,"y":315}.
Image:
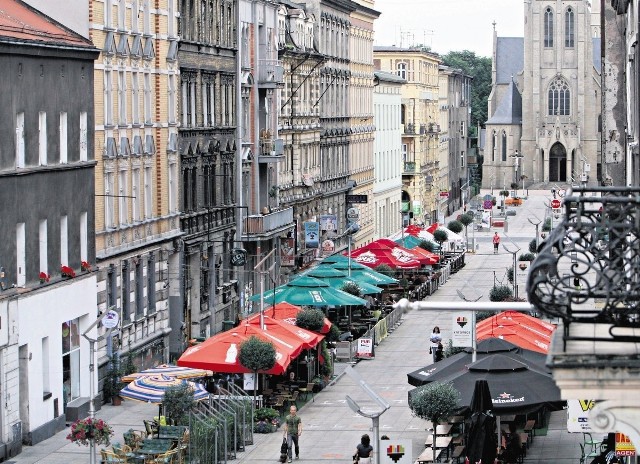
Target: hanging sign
{"x":329,"y":224}
{"x":578,"y":415}
{"x":287,"y":252}
{"x":396,"y":451}
{"x":311,"y":234}
{"x":624,"y":447}
{"x":328,"y":247}
{"x":111,"y":319}
{"x":462,"y":329}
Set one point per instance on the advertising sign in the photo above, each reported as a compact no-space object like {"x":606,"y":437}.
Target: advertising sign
{"x":365,"y":348}
{"x":111,"y":319}
{"x":287,"y":252}
{"x":328,"y":247}
{"x":248,"y":381}
{"x":312,"y":234}
{"x":396,"y":451}
{"x":353,"y":214}
{"x":329,"y":224}
{"x":578,"y":415}
{"x":462,"y":329}
{"x":624,"y":447}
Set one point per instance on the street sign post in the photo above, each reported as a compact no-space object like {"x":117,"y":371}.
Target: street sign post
{"x":555,"y":203}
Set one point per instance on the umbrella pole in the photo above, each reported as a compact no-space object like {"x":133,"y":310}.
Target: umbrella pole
{"x":499,"y":432}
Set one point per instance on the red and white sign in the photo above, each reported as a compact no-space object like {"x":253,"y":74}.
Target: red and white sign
{"x":365,"y":348}
{"x":555,"y":203}
{"x":444,"y":194}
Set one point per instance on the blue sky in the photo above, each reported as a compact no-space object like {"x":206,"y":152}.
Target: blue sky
{"x":448,"y":25}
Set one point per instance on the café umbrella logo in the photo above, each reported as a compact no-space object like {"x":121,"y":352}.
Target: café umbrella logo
{"x":395,"y":452}
{"x":461,"y":321}
{"x":507,"y":398}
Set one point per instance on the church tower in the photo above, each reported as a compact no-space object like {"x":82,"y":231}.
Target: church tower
{"x":545,"y":100}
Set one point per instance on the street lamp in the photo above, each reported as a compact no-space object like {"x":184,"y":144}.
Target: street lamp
{"x":374,"y":416}
{"x":516,"y":158}
{"x":515,"y":280}
{"x":353,"y":228}
{"x":474,"y":352}
{"x":537,"y":224}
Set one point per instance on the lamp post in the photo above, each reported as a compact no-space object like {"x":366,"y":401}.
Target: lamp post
{"x":516,"y":158}
{"x":515,"y":280}
{"x":374,"y":416}
{"x":474,"y":352}
{"x":537,"y":224}
{"x":353,"y":228}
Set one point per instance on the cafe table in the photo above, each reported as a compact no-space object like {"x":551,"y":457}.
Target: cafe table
{"x":441,"y":429}
{"x":441,"y":442}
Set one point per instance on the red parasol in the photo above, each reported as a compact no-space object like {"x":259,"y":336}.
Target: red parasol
{"x":220,"y":352}
{"x":425,"y":258}
{"x":287,"y":312}
{"x":374,"y":254}
{"x":520,"y":329}
{"x":306,"y":338}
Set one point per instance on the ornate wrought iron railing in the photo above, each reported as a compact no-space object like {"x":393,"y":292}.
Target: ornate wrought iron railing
{"x":588,"y":269}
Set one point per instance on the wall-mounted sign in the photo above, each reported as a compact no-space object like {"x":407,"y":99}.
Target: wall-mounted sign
{"x":359,"y":199}
{"x":111,"y":319}
{"x":238,"y":257}
{"x":312,"y":234}
{"x":329,"y":224}
{"x":353,"y":214}
{"x":328,"y":247}
{"x":444,"y":194}
{"x":287,"y":252}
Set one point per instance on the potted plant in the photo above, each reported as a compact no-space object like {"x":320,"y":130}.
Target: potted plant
{"x":44,"y":277}
{"x":84,"y":430}
{"x":178,"y":402}
{"x":85,"y":266}
{"x":257,"y":355}
{"x":67,"y":272}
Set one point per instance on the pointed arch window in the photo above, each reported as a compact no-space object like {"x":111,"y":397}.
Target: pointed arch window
{"x":559,"y":98}
{"x":569,"y":29}
{"x":494,"y":145}
{"x":503,"y":147}
{"x":548,"y":28}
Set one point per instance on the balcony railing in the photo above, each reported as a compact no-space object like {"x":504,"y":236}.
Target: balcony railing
{"x":270,"y":72}
{"x":265,"y":224}
{"x":588,"y":269}
{"x":409,"y":167}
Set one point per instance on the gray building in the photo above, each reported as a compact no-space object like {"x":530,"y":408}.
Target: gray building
{"x":47,"y":255}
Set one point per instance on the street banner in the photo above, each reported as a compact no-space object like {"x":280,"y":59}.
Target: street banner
{"x":287,"y":252}
{"x":365,"y":348}
{"x":329,"y":224}
{"x":578,"y":415}
{"x":462,"y":329}
{"x":311,"y":234}
{"x":328,"y":247}
{"x":394,"y":451}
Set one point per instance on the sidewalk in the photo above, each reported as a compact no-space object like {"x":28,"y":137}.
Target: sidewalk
{"x":331,"y":430}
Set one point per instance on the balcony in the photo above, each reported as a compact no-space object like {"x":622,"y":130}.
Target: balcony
{"x":409,"y":168}
{"x":265,"y":226}
{"x":270,"y":73}
{"x":587,"y":275}
{"x":271,"y":149}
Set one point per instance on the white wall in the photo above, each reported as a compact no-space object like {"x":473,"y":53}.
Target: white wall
{"x":41,"y":314}
{"x":74,"y":14}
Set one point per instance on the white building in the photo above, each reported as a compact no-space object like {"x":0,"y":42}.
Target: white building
{"x":387,"y":187}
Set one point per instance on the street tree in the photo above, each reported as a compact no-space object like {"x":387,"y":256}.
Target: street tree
{"x":257,"y":355}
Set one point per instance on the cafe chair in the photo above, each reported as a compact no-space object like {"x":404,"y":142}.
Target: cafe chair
{"x":170,"y":457}
{"x":112,"y":458}
{"x":294,"y":398}
{"x":306,"y":390}
{"x":279,"y":404}
{"x":151,"y":429}
{"x":120,"y":450}
{"x":586,"y":457}
{"x":133,"y":439}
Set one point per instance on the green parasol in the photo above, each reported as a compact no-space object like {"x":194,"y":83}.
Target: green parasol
{"x":337,"y":278}
{"x":307,"y":291}
{"x":362,"y":273}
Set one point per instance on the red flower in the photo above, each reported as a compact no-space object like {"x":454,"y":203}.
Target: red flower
{"x":85,"y":266}
{"x":66,"y":271}
{"x":44,"y":277}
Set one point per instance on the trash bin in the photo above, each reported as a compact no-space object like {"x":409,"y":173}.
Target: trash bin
{"x":227,"y":325}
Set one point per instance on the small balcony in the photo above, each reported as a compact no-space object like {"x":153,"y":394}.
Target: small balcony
{"x":270,"y":73}
{"x":271,"y":149}
{"x":409,"y":168}
{"x":265,"y":226}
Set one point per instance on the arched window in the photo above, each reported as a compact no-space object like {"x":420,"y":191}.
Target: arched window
{"x":402,"y":70}
{"x":569,"y":29}
{"x":503,"y":148}
{"x":494,"y":145}
{"x":548,"y":27}
{"x":559,"y":98}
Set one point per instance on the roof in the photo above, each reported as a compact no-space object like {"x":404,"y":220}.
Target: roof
{"x":509,"y":110}
{"x":597,"y":59}
{"x":394,"y":49}
{"x":389,"y":77}
{"x":509,"y":58}
{"x":20,"y":22}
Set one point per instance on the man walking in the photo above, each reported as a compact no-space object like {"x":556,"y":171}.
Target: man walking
{"x":292,"y":431}
{"x":496,"y":242}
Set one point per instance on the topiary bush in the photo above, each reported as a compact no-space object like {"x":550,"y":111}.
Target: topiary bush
{"x":385,"y":269}
{"x":546,"y":227}
{"x":178,"y":403}
{"x":428,"y":245}
{"x":455,"y":226}
{"x":334,"y":334}
{"x":526,"y":257}
{"x":510,"y":274}
{"x":352,"y":288}
{"x":500,"y":293}
{"x":310,"y":319}
{"x":440,"y":236}
{"x":532,"y":246}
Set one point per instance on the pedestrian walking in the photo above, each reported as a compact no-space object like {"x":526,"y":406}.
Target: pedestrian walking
{"x":292,"y":431}
{"x":364,"y":450}
{"x":496,"y":242}
{"x":439,"y":352}
{"x":435,"y":339}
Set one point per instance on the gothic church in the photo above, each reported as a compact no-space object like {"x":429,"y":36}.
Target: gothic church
{"x":545,"y":100}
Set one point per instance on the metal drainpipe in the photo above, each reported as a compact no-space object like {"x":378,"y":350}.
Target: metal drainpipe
{"x":238,"y":167}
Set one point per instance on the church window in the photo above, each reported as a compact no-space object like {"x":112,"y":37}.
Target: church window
{"x":559,"y":98}
{"x":569,"y":29}
{"x":402,"y":70}
{"x":548,"y":28}
{"x":503,"y":148}
{"x":494,"y":145}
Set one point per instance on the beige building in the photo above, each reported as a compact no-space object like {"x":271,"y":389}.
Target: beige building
{"x":361,"y":115}
{"x":420,"y":118}
{"x":137,"y":174}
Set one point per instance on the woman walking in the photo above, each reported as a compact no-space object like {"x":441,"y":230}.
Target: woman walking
{"x":435,"y":339}
{"x":364,"y":450}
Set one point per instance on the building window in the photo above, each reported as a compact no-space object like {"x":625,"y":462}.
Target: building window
{"x":21,"y":255}
{"x":559,"y":98}
{"x":147,"y":98}
{"x":503,"y":147}
{"x":83,"y":136}
{"x":84,"y":230}
{"x":135,"y":11}
{"x":173,"y":187}
{"x":42,"y":138}
{"x":122,"y":197}
{"x":139,"y":276}
{"x":122,"y":8}
{"x":569,"y":28}
{"x":108,"y":11}
{"x":20,"y":140}
{"x":43,"y":246}
{"x":70,"y":331}
{"x":109,"y":213}
{"x":146,"y":17}
{"x":108,"y":98}
{"x":135,"y":98}
{"x":122,"y":98}
{"x":111,"y":286}
{"x":548,"y":28}
{"x":151,"y":283}
{"x":147,"y":193}
{"x":494,"y":145}
{"x":63,"y":137}
{"x":172,"y":99}
{"x":126,"y":291}
{"x":462,"y":159}
{"x":135,"y":193}
{"x":64,"y":241}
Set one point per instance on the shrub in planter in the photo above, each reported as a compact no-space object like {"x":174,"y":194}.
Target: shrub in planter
{"x":510,"y":274}
{"x":178,"y":404}
{"x":310,"y":319}
{"x":334,"y":334}
{"x":526,"y":257}
{"x":352,"y":288}
{"x":428,"y":245}
{"x":263,"y":427}
{"x":532,"y":246}
{"x":546,"y":227}
{"x":500,"y":293}
{"x":384,"y":269}
{"x":455,"y":226}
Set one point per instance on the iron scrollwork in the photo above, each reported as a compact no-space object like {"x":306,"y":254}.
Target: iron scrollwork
{"x":588,"y":270}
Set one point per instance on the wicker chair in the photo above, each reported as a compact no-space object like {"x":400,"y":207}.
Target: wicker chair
{"x":133,"y":438}
{"x":306,"y":390}
{"x":170,"y":457}
{"x":151,"y":429}
{"x":112,"y":458}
